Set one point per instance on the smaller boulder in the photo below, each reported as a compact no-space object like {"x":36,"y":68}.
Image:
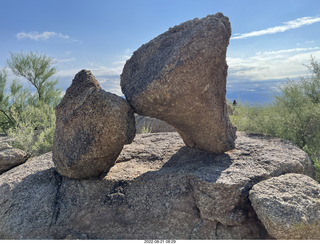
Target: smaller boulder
{"x":288,"y":206}
{"x":10,"y":157}
{"x":92,"y":126}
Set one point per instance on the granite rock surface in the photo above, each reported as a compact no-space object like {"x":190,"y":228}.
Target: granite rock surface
{"x":158,"y":189}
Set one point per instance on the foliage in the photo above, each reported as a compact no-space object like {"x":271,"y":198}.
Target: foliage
{"x":146,"y":129}
{"x":256,"y":119}
{"x":5,"y":119}
{"x":294,"y":115}
{"x":27,"y":117}
{"x":34,"y":129}
{"x":17,"y":99}
{"x":38,"y":70}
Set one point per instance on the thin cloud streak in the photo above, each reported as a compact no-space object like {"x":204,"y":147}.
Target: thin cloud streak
{"x":288,"y":50}
{"x":271,"y":65}
{"x":289,"y":25}
{"x":36,"y":36}
{"x":66,"y":60}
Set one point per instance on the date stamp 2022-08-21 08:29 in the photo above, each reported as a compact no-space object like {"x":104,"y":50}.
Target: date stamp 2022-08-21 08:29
{"x":159,"y":241}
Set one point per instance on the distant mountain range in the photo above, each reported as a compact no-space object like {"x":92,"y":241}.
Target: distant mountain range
{"x":251,"y":98}
{"x":253,"y":92}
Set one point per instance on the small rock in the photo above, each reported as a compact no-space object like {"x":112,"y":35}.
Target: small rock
{"x":91,"y":129}
{"x":180,"y":77}
{"x":288,"y":206}
{"x":4,"y":146}
{"x":10,"y":157}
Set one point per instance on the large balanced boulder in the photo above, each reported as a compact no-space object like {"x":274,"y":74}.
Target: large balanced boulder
{"x":288,"y":206}
{"x":92,"y":126}
{"x":10,"y":157}
{"x":180,"y":77}
{"x":158,"y":189}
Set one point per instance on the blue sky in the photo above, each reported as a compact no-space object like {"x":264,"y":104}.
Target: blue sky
{"x":271,"y":40}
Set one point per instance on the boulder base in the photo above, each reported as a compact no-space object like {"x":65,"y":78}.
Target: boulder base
{"x":158,"y":189}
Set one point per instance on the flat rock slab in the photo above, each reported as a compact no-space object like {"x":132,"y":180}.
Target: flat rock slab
{"x":158,"y":189}
{"x":288,"y":206}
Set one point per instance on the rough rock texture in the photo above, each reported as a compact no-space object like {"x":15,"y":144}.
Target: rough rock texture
{"x":152,"y":125}
{"x":158,"y":189}
{"x":92,"y":127}
{"x":288,"y":206}
{"x":180,"y":77}
{"x":10,"y":157}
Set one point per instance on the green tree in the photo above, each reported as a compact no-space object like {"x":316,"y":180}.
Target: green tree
{"x":5,"y":119}
{"x":29,"y":118}
{"x":39,"y":71}
{"x":3,"y":82}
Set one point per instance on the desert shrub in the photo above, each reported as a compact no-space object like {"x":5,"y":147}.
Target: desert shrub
{"x":315,"y":157}
{"x":146,"y":129}
{"x":300,"y":116}
{"x":294,"y":115}
{"x":15,"y":100}
{"x":5,"y":119}
{"x":34,"y":129}
{"x":256,"y":119}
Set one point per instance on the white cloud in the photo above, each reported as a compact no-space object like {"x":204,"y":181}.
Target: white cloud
{"x":288,"y":50}
{"x":68,"y":72}
{"x":111,"y":85}
{"x":66,"y":60}
{"x":100,"y":70}
{"x":289,"y":25}
{"x":123,"y":57}
{"x":108,"y":77}
{"x":271,"y":65}
{"x":36,"y":36}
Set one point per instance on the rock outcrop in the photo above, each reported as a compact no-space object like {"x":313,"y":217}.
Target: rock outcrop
{"x":180,"y":77}
{"x":92,"y":127}
{"x":10,"y":157}
{"x":288,"y":206}
{"x":158,"y":189}
{"x":146,"y":124}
